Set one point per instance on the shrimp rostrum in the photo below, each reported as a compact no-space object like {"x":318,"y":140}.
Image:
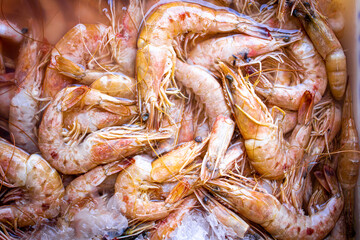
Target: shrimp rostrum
{"x":156,"y":57}
{"x":43,"y":187}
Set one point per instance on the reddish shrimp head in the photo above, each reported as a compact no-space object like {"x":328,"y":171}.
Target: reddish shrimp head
{"x":41,"y":183}
{"x":78,"y":145}
{"x":269,"y":153}
{"x":156,"y":58}
{"x":349,"y":160}
{"x":24,"y":106}
{"x":276,"y":218}
{"x":329,"y":47}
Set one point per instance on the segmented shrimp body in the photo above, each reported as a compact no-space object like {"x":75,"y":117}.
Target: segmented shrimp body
{"x":155,"y":59}
{"x":69,"y":149}
{"x":349,"y":160}
{"x":24,"y":106}
{"x":277,"y":218}
{"x":7,"y":92}
{"x":328,"y":46}
{"x":260,"y":131}
{"x":79,"y":46}
{"x":206,"y":88}
{"x":42,"y":184}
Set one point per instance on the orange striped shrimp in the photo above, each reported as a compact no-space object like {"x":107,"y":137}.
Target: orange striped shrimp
{"x":260,"y":131}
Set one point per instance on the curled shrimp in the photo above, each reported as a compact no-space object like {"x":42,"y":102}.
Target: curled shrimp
{"x":79,"y":46}
{"x":205,"y":87}
{"x":133,"y":190}
{"x":312,"y":79}
{"x":349,"y":160}
{"x":24,"y":106}
{"x":276,"y":218}
{"x":70,"y":150}
{"x":43,"y":187}
{"x":155,"y":59}
{"x":328,"y":46}
{"x":220,"y":137}
{"x":260,"y":131}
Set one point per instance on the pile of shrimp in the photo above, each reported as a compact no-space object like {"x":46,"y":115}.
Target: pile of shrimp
{"x":235,"y":112}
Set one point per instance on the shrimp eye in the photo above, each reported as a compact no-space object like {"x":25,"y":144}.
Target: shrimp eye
{"x":286,"y":39}
{"x":145,"y":116}
{"x":24,"y":30}
{"x":248,"y":60}
{"x":198,"y":139}
{"x":206,"y":200}
{"x":229,"y":78}
{"x":216,"y":188}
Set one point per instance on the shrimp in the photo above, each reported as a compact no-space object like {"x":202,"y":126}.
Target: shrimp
{"x":230,"y":49}
{"x":328,"y":46}
{"x":349,"y":160}
{"x":165,"y":227}
{"x":186,"y":131}
{"x":234,"y":155}
{"x":206,"y":88}
{"x":276,"y":218}
{"x":220,"y":138}
{"x":269,"y":153}
{"x":88,"y":184}
{"x":172,"y":123}
{"x":10,"y":31}
{"x":155,"y":59}
{"x":313,"y":78}
{"x":79,"y":45}
{"x":133,"y":192}
{"x":223,"y":214}
{"x":123,"y":36}
{"x":24,"y":106}
{"x":70,"y":151}
{"x":43,"y":187}
{"x":174,"y":161}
